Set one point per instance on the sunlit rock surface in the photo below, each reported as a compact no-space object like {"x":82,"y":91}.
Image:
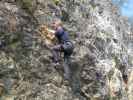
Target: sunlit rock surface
{"x":130,"y":86}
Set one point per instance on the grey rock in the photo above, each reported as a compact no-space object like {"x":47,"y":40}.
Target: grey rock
{"x":102,"y":54}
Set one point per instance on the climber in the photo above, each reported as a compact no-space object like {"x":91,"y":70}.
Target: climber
{"x":64,"y":45}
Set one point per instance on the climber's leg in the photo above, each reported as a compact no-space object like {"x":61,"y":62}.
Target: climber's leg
{"x":67,"y":70}
{"x":55,"y":51}
{"x":68,"y":49}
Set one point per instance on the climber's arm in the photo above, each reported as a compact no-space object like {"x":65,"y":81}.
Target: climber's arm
{"x":59,"y":31}
{"x":51,"y":31}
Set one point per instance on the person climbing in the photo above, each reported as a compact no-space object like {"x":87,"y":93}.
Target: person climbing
{"x":64,"y":45}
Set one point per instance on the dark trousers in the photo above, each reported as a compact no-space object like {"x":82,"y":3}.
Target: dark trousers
{"x":67,"y":49}
{"x":67,"y":70}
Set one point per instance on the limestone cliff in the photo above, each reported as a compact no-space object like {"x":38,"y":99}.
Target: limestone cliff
{"x":102,"y":61}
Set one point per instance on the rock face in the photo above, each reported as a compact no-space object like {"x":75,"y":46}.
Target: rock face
{"x":101,"y":63}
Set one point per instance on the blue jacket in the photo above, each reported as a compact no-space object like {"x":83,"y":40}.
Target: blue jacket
{"x":62,"y":35}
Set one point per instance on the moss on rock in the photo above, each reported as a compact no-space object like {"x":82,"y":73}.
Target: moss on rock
{"x":28,"y":5}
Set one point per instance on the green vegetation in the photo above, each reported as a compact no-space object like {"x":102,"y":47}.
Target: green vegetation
{"x":27,"y":5}
{"x":56,"y":1}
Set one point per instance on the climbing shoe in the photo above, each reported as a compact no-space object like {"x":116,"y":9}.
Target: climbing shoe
{"x":66,"y":82}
